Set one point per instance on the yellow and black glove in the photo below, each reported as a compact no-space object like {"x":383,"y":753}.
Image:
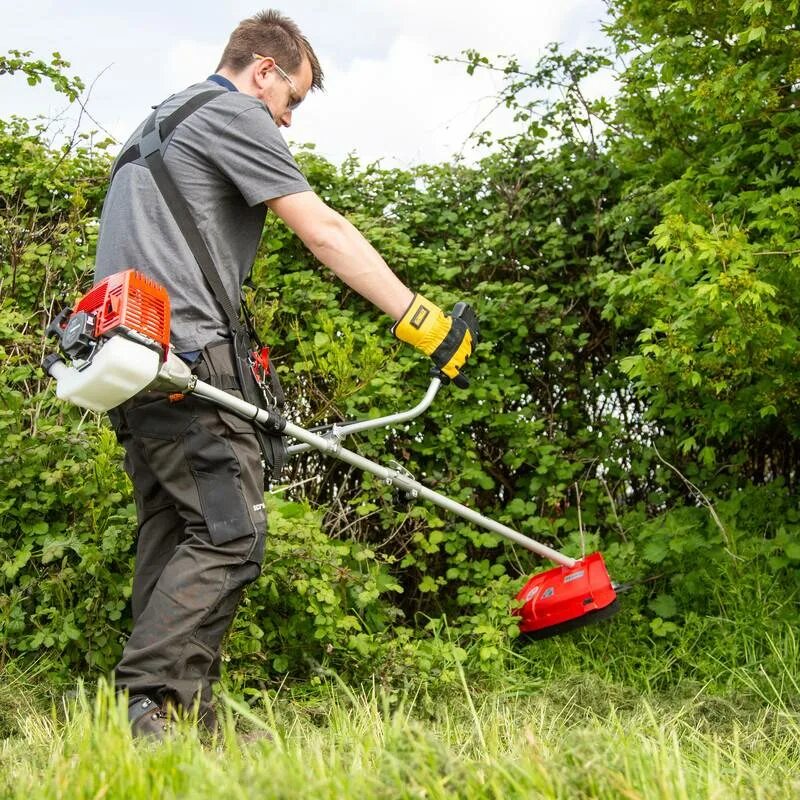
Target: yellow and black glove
{"x":448,"y":339}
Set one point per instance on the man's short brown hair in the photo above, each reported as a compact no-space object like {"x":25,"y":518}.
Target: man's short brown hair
{"x":269,"y":33}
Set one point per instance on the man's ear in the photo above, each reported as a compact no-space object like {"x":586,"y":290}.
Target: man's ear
{"x":262,"y":69}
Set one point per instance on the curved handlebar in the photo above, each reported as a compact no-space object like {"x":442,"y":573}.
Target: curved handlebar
{"x":339,"y":430}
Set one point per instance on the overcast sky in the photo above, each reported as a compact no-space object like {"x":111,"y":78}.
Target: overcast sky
{"x":385,"y":98}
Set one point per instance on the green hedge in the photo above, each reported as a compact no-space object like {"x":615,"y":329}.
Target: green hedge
{"x":581,"y":426}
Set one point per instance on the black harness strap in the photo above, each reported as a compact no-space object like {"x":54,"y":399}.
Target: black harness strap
{"x":149,"y":149}
{"x":167,"y":125}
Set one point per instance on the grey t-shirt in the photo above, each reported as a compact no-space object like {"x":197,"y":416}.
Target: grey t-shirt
{"x":227,"y":158}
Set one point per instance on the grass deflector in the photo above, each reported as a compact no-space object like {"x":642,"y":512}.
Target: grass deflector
{"x":117,"y":340}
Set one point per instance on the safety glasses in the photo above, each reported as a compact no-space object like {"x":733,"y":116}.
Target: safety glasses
{"x":294,"y":97}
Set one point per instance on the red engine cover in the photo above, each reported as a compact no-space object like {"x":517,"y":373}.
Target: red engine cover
{"x":129,"y":301}
{"x":563,"y":594}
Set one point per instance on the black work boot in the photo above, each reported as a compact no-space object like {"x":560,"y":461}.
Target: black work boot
{"x":147,"y":718}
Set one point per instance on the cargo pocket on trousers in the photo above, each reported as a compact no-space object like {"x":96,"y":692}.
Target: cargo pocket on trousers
{"x":224,"y":508}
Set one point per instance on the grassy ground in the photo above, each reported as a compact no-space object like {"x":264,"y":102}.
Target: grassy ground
{"x":582,"y":737}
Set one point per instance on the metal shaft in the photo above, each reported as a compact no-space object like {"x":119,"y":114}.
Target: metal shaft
{"x":391,"y":477}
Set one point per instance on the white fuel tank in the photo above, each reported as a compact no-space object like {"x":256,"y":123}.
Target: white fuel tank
{"x":119,"y":369}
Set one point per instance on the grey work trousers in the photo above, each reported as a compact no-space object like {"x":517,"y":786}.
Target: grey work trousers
{"x":198,"y":483}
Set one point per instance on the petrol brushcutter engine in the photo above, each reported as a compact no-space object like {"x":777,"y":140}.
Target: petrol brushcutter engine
{"x":117,"y":337}
{"x":117,"y":340}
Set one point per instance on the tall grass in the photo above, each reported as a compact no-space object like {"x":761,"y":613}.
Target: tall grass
{"x":578,"y":738}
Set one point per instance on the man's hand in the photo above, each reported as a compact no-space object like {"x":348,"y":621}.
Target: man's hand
{"x":448,"y":339}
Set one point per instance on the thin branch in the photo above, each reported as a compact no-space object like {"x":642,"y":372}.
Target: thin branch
{"x":580,"y":519}
{"x":613,"y":508}
{"x":777,"y":252}
{"x":697,"y":492}
{"x":84,"y":103}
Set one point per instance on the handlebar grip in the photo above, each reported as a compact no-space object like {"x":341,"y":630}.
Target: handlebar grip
{"x":460,"y":380}
{"x":464,"y":312}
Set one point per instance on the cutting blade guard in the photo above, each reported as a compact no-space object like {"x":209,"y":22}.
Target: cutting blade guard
{"x":564,"y":598}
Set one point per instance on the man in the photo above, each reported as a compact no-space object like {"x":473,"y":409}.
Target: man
{"x":196,"y":469}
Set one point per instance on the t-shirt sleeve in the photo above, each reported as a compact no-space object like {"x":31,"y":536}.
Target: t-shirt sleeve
{"x":253,"y":155}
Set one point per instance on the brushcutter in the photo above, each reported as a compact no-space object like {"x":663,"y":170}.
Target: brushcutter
{"x":116,"y":339}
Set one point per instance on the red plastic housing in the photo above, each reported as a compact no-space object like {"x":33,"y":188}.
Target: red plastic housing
{"x":132,"y":302}
{"x":563,"y":594}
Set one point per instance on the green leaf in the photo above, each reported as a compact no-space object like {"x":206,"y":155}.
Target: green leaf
{"x":664,"y":605}
{"x":655,"y":551}
{"x":428,"y":584}
{"x":792,"y":550}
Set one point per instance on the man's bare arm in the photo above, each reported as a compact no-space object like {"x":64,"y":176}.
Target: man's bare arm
{"x":345,"y":251}
{"x":340,"y":247}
